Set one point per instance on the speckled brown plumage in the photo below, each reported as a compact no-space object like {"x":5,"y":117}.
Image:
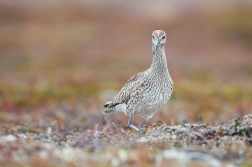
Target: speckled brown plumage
{"x":146,"y":92}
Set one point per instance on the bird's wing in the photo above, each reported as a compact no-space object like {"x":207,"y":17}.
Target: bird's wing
{"x":124,"y":95}
{"x":133,"y":79}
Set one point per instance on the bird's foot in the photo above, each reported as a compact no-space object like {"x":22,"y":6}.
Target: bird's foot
{"x":140,"y":132}
{"x":142,"y":126}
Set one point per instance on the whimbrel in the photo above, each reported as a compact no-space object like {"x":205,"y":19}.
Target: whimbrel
{"x":146,"y":92}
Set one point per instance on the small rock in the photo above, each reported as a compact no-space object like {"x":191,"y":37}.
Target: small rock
{"x":8,"y":138}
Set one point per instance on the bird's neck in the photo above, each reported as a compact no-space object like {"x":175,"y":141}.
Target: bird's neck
{"x":159,"y":60}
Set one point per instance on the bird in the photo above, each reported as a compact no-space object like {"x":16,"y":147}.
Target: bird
{"x":146,"y":92}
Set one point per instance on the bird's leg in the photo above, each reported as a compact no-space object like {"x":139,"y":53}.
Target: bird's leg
{"x":134,"y":127}
{"x":144,"y":122}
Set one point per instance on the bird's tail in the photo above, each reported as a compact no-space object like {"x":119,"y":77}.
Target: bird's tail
{"x":108,"y":103}
{"x":108,"y":110}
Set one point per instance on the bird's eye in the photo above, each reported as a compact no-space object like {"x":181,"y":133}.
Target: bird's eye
{"x":153,"y":37}
{"x":163,"y":37}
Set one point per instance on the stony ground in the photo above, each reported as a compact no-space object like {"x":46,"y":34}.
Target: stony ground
{"x":61,"y":61}
{"x":187,"y":144}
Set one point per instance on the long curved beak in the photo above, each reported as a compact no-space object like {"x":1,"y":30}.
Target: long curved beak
{"x":154,"y":47}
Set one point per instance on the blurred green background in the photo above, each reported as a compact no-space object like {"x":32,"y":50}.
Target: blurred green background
{"x":60,"y":61}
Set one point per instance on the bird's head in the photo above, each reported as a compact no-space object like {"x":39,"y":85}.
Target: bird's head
{"x":158,"y":38}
